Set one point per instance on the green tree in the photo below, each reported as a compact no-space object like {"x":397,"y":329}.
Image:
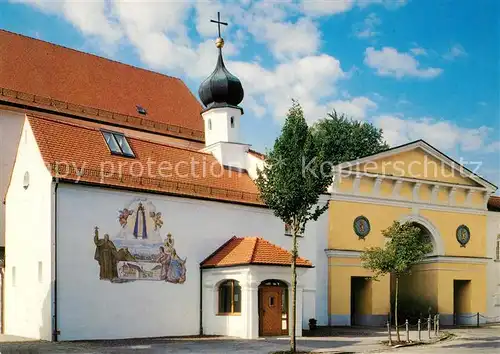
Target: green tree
{"x":291,"y":182}
{"x":406,"y":246}
{"x":344,"y":139}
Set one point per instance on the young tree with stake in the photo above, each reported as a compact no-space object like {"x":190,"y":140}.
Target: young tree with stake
{"x":293,"y":178}
{"x":406,"y":246}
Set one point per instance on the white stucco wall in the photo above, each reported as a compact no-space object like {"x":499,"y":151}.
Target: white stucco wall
{"x":493,"y":268}
{"x":91,"y":308}
{"x":246,"y":324}
{"x":11,"y":124}
{"x":28,"y":237}
{"x":220,"y":121}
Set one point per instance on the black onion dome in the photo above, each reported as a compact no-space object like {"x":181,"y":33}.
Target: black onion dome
{"x":221,"y":87}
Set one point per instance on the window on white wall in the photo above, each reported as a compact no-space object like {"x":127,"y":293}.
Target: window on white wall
{"x":232,"y":122}
{"x":209,"y":124}
{"x":229,"y":297}
{"x":40,"y":272}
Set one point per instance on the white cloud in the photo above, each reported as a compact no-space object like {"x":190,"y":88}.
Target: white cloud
{"x":493,"y":147}
{"x":367,"y":29}
{"x":332,"y":7}
{"x":456,"y":51}
{"x":319,"y":8}
{"x":443,"y":134}
{"x":418,"y":51}
{"x":287,"y":39}
{"x":309,"y":79}
{"x":91,"y":18}
{"x":389,"y":62}
{"x":356,"y":108}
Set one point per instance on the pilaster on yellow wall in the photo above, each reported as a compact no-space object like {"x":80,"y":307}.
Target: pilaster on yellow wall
{"x":341,"y":270}
{"x":425,"y":193}
{"x":474,"y":298}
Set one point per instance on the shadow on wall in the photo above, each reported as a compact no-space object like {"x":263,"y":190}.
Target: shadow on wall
{"x":45,"y":330}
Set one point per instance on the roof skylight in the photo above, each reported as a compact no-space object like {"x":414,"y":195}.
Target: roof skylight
{"x":118,"y":144}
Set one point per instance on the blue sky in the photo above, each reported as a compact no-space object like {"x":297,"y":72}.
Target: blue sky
{"x":418,"y":69}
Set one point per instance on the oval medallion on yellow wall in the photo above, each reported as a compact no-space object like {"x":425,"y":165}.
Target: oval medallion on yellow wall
{"x":361,"y":226}
{"x":463,"y":235}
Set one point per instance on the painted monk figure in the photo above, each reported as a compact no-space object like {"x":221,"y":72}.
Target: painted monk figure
{"x":106,"y":256}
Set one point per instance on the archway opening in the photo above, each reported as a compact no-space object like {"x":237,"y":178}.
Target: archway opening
{"x":426,"y":236}
{"x":273,"y":308}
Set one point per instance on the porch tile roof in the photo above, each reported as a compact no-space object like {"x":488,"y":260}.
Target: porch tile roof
{"x":251,"y":250}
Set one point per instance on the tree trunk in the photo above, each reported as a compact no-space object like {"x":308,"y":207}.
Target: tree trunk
{"x":396,"y":309}
{"x":294,"y":290}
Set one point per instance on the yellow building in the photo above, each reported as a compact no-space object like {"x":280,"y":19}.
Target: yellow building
{"x":415,"y":183}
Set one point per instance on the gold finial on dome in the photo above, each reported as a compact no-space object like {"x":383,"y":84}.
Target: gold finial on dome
{"x":219,"y":42}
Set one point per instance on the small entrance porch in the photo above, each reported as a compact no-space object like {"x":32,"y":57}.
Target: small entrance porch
{"x":250,"y":298}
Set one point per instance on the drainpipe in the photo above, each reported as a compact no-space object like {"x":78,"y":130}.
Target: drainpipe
{"x":55,"y":331}
{"x":201,"y":301}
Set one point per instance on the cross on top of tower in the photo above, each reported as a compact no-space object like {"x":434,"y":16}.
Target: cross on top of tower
{"x":218,"y":22}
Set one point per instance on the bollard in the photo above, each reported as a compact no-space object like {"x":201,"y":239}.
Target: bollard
{"x":389,"y":332}
{"x":429,"y":326}
{"x":419,"y":330}
{"x":407,"y":332}
{"x":437,"y":325}
{"x":477,"y":320}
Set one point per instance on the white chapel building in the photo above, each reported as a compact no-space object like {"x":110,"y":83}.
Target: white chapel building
{"x":129,"y":208}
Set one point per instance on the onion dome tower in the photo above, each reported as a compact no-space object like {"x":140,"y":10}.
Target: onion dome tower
{"x":221,"y":88}
{"x":221,"y":93}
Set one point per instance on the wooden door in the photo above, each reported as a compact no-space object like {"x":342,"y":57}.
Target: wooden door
{"x":270,"y":311}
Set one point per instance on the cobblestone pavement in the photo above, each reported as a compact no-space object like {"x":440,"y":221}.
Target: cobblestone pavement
{"x":209,"y":346}
{"x":483,"y":340}
{"x":473,"y":340}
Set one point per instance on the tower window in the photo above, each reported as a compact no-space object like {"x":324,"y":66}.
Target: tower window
{"x":118,"y":144}
{"x":209,"y":124}
{"x":232,"y":122}
{"x":141,"y":110}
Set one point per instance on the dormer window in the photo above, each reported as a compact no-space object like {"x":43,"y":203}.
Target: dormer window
{"x":118,"y":144}
{"x":232,"y":122}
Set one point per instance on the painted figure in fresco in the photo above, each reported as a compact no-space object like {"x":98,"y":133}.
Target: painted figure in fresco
{"x":106,"y":255}
{"x":169,"y":243}
{"x":156,"y":219}
{"x":140,"y":228}
{"x":177,"y":270}
{"x":164,"y":259}
{"x":123,"y":216}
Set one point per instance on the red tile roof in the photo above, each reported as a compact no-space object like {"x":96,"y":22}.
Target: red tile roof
{"x":75,"y":152}
{"x":494,"y":203}
{"x":41,"y":74}
{"x":251,"y":250}
{"x":257,"y":154}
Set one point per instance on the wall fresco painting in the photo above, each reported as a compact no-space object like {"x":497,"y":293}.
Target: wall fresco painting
{"x":138,"y":251}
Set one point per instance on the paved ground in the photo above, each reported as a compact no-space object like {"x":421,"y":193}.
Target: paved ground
{"x":483,"y":340}
{"x":352,"y":341}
